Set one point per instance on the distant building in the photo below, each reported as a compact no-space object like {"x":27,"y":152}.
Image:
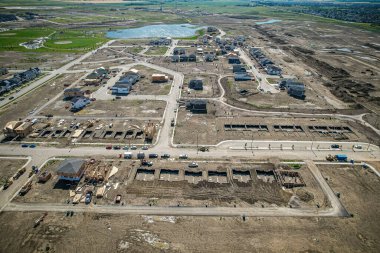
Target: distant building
{"x":79,"y":104}
{"x":212,"y":29}
{"x":192,"y":58}
{"x":72,"y":93}
{"x":209,"y":57}
{"x":294,"y":88}
{"x":96,"y":76}
{"x":179,"y":51}
{"x":237,"y":68}
{"x":175,"y":58}
{"x":3,"y":71}
{"x":273,"y":70}
{"x":196,"y":84}
{"x":161,"y":42}
{"x":242,"y":77}
{"x":234,"y":60}
{"x":197,"y":106}
{"x":71,"y":169}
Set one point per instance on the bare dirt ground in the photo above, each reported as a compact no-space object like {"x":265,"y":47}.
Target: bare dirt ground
{"x":61,"y":131}
{"x":210,"y":127}
{"x":156,"y":51}
{"x":169,"y":183}
{"x":105,"y":54}
{"x":34,"y":99}
{"x":105,"y":64}
{"x":26,"y":60}
{"x":146,"y":87}
{"x":121,"y":108}
{"x":210,"y":86}
{"x":120,"y":233}
{"x":9,"y":167}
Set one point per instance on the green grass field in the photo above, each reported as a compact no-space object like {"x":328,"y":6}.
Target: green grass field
{"x":57,"y":40}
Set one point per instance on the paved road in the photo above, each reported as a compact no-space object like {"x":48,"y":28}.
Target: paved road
{"x":339,"y":209}
{"x":52,"y":74}
{"x":176,"y":211}
{"x":263,"y":83}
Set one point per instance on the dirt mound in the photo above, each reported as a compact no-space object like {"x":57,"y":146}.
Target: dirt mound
{"x":305,"y":195}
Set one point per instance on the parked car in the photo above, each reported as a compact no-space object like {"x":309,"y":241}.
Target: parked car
{"x":133,"y":148}
{"x":153,"y":156}
{"x":109,"y":147}
{"x":146,"y":163}
{"x":10,"y":98}
{"x":88,"y":198}
{"x":335,"y":146}
{"x":117,"y":199}
{"x":183,"y":156}
{"x":145,"y":148}
{"x":32,"y":145}
{"x":125,"y":148}
{"x":116,"y":147}
{"x":358,"y":146}
{"x":24,"y":145}
{"x":193,"y":165}
{"x":165,"y":156}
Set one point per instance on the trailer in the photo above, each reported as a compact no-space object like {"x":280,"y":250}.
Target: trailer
{"x":341,"y":158}
{"x":128,"y":155}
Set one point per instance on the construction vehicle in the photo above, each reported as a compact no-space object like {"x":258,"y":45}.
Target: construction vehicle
{"x":44,"y":177}
{"x":39,"y":220}
{"x":203,"y":149}
{"x":340,"y":158}
{"x":19,"y":173}
{"x":24,"y":190}
{"x":8,"y":183}
{"x":118,"y":199}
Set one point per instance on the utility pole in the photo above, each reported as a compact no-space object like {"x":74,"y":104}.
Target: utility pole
{"x":197,"y":144}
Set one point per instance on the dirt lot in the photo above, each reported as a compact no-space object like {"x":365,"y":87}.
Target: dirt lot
{"x":169,"y":183}
{"x":9,"y":167}
{"x":146,"y":87}
{"x":210,"y":86}
{"x":120,"y":233}
{"x":121,"y":108}
{"x":25,"y":60}
{"x":218,"y":125}
{"x":105,"y":54}
{"x":156,"y":51}
{"x":63,"y":131}
{"x":105,"y":64}
{"x":277,"y":100}
{"x":34,"y":99}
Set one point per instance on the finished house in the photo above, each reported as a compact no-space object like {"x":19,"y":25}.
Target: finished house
{"x":197,"y":106}
{"x":196,"y":84}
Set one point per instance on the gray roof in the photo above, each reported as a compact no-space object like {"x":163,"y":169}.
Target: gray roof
{"x":70,"y":166}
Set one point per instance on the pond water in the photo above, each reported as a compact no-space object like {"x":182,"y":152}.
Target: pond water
{"x":154,"y":31}
{"x":271,"y":21}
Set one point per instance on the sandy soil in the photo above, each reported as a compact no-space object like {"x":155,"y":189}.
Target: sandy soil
{"x":120,"y":233}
